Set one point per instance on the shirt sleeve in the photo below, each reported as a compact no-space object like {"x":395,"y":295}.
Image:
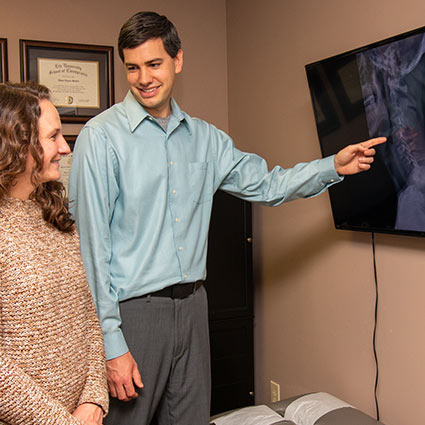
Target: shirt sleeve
{"x":247,"y":176}
{"x":93,"y":190}
{"x":95,"y":389}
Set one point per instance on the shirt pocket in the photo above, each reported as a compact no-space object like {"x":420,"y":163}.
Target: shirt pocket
{"x":201,"y":182}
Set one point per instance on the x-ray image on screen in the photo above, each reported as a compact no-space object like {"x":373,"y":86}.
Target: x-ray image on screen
{"x":392,"y":83}
{"x":371,"y":91}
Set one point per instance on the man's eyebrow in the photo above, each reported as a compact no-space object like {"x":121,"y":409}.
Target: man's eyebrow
{"x":149,"y":62}
{"x":154,"y":60}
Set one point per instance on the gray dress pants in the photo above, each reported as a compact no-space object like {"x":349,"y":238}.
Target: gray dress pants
{"x":169,"y":340}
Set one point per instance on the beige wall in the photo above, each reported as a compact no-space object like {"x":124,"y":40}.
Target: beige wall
{"x":314,"y":284}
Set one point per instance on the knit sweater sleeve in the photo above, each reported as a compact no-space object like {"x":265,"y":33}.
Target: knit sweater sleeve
{"x":95,"y":391}
{"x":23,"y":402}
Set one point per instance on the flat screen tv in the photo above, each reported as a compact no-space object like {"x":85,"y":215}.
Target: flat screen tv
{"x":376,"y":90}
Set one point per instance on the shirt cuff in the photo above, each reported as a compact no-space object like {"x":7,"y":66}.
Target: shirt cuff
{"x":327,"y":171}
{"x":115,"y":345}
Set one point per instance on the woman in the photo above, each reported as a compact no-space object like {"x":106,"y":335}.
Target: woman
{"x":52,"y":367}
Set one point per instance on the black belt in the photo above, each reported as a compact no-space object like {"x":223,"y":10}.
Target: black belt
{"x":179,"y":290}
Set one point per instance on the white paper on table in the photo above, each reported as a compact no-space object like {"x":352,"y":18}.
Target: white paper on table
{"x":307,"y":409}
{"x":254,"y":415}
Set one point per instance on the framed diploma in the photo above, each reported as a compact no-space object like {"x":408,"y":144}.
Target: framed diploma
{"x":3,"y":60}
{"x":80,"y":76}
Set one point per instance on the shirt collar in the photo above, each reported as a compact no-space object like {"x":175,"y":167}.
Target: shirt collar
{"x":136,"y":114}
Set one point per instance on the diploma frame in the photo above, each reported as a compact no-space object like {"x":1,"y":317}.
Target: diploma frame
{"x":3,"y":61}
{"x":99,"y":71}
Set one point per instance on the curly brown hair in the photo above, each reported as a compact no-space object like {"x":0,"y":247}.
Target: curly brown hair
{"x":19,"y":115}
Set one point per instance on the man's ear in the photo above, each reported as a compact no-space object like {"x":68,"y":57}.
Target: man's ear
{"x":178,"y":62}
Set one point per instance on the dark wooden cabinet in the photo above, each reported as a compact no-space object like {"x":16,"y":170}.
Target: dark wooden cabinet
{"x":230,"y":299}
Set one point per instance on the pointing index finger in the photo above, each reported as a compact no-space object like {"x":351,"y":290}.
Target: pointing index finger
{"x":373,"y":142}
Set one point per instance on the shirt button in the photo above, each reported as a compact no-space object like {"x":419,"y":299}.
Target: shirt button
{"x":177,"y":220}
{"x":174,"y":191}
{"x":332,"y":180}
{"x":180,"y":248}
{"x":171,"y":162}
{"x":185,"y":276}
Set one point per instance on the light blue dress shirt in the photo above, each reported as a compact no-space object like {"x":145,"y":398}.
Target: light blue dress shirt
{"x":142,"y":199}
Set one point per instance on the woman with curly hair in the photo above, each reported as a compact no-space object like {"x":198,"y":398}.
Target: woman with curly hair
{"x":52,"y":368}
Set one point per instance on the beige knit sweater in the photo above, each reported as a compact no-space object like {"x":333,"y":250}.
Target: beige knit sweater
{"x":51,"y":348}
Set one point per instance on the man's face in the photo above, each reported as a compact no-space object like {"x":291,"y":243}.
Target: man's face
{"x":151,"y":72}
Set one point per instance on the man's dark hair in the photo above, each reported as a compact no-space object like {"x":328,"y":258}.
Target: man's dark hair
{"x":144,"y":26}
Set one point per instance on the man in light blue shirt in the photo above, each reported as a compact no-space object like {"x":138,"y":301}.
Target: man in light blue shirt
{"x":142,"y":183}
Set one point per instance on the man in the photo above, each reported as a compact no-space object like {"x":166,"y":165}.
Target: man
{"x":143,"y":178}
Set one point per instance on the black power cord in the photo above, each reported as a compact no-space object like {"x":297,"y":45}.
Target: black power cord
{"x":374,"y":329}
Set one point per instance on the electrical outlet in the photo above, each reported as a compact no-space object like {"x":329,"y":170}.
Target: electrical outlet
{"x":274,"y":391}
